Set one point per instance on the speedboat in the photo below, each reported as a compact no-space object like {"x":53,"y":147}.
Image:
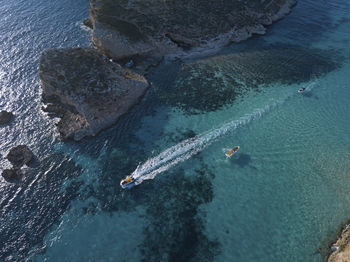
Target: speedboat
{"x":129,"y":182}
{"x":301,"y":90}
{"x":232,"y":151}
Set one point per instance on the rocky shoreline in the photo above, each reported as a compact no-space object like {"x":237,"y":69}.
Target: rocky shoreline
{"x":340,"y":250}
{"x":86,"y":90}
{"x":89,"y":90}
{"x":128,"y":28}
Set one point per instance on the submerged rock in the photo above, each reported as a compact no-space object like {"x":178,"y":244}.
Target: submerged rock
{"x":230,"y":75}
{"x":86,"y":90}
{"x":127,"y":28}
{"x":20,"y":156}
{"x":5,"y":117}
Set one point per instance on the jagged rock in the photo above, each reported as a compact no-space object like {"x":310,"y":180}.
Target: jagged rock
{"x":341,"y":249}
{"x":14,"y":173}
{"x":5,"y":117}
{"x":20,"y":155}
{"x":127,"y":28}
{"x":86,"y":90}
{"x":87,"y":22}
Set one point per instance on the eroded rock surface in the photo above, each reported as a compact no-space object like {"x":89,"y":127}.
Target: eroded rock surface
{"x":86,"y":90}
{"x":341,"y":248}
{"x":124,"y":28}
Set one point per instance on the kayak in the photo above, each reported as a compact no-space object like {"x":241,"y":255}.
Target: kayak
{"x":232,"y":151}
{"x":129,"y":182}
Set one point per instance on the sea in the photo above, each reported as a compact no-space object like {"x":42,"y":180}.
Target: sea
{"x":282,"y":197}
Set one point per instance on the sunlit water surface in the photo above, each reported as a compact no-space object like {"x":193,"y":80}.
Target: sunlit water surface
{"x":279,"y":199}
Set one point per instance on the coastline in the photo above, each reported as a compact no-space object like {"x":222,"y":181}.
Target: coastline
{"x":86,"y":91}
{"x":144,"y":48}
{"x":339,"y":250}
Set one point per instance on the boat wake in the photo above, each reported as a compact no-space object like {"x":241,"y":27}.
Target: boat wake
{"x":192,"y":146}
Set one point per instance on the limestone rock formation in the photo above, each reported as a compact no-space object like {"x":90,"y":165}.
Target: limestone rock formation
{"x":124,"y":28}
{"x":341,"y":249}
{"x":86,"y":90}
{"x":5,"y":117}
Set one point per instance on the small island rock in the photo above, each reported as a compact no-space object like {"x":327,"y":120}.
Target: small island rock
{"x":5,"y":117}
{"x":20,"y":155}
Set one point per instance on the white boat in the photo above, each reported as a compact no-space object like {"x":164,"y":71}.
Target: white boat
{"x":129,"y":182}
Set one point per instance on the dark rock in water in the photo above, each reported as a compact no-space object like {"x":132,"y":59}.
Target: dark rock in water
{"x":20,"y":155}
{"x":87,"y":22}
{"x":133,"y":27}
{"x":5,"y":117}
{"x":87,"y":90}
{"x":10,"y":174}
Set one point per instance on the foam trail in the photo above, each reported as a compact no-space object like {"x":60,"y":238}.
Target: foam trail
{"x":189,"y":147}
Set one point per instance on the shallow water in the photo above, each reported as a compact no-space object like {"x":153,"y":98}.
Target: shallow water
{"x":277,"y":200}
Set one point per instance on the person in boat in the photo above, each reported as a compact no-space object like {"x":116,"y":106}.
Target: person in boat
{"x":301,"y":90}
{"x":233,"y":150}
{"x":128,"y":179}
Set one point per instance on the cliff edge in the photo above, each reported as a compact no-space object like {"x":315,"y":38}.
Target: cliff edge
{"x":86,"y":90}
{"x":341,"y":248}
{"x":125,"y":28}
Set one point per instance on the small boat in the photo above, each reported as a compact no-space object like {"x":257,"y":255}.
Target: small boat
{"x":129,"y":182}
{"x":232,"y":151}
{"x":301,"y":90}
{"x":129,"y":64}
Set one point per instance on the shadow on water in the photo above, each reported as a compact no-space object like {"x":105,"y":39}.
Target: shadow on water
{"x":310,"y":95}
{"x":243,"y":160}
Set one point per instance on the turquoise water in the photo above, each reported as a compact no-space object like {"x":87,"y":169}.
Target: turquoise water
{"x":278,"y":200}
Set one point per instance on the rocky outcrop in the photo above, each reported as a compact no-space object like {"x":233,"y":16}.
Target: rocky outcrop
{"x":86,"y":90}
{"x":87,"y":22}
{"x":20,"y":156}
{"x":127,"y":28}
{"x":89,"y":92}
{"x":341,"y":248}
{"x":5,"y":117}
{"x":12,"y":174}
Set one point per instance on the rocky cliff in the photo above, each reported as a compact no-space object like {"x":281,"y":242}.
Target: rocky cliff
{"x":89,"y":92}
{"x":124,"y":28}
{"x":86,"y":90}
{"x":341,"y":248}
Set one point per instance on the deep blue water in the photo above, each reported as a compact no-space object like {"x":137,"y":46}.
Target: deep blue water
{"x":278,"y":200}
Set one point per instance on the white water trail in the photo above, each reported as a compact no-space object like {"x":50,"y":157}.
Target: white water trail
{"x":192,"y":146}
